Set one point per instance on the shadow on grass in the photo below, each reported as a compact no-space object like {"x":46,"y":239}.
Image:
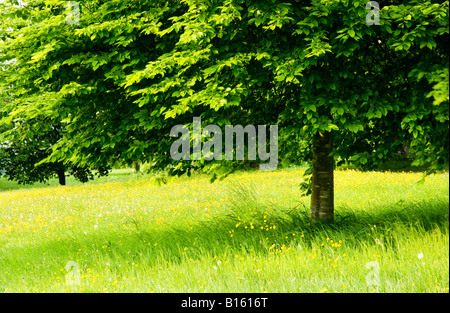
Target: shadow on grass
{"x":220,"y":235}
{"x":250,"y":227}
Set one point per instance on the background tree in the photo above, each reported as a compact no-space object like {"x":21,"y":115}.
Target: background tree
{"x":25,"y":143}
{"x":129,"y":71}
{"x":27,"y":135}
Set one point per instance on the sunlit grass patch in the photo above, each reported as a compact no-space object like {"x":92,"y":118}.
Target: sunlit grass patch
{"x":248,"y":233}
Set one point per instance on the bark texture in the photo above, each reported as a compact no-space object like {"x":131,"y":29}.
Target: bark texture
{"x":322,"y":192}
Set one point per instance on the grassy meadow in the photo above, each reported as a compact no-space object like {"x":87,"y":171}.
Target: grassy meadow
{"x":247,"y":233}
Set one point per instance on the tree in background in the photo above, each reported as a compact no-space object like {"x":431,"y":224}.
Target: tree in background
{"x":128,"y":71}
{"x":27,"y":136}
{"x":26,"y":143}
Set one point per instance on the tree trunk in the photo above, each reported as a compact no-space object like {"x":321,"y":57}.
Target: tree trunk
{"x":322,"y":189}
{"x":137,"y":166}
{"x":61,"y":177}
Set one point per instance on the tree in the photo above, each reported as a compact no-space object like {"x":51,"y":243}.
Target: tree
{"x":28,"y":142}
{"x":129,"y":71}
{"x":19,"y":156}
{"x":27,"y":133}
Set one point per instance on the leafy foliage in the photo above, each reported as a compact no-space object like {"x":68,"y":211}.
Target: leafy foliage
{"x":130,"y":70}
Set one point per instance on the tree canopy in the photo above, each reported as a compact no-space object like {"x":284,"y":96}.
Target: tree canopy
{"x":127,"y":71}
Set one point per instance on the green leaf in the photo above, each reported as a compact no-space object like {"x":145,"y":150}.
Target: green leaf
{"x":363,"y":160}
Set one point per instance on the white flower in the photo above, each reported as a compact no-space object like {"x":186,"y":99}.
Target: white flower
{"x":420,"y":255}
{"x":95,"y":226}
{"x":214,"y":267}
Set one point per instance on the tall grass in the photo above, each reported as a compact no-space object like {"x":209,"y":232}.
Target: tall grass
{"x":249,"y":233}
